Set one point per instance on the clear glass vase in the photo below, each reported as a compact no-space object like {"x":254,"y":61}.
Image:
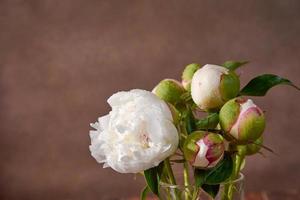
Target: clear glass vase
{"x":231,"y":190}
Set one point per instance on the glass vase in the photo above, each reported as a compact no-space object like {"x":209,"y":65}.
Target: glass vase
{"x":231,"y":190}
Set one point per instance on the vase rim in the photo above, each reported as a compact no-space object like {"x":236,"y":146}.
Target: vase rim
{"x":163,"y":184}
{"x":238,"y":179}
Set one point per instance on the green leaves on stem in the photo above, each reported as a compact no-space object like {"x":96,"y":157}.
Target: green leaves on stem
{"x":144,"y":193}
{"x":233,"y":65}
{"x":190,"y":122}
{"x":152,"y":179}
{"x":153,"y":176}
{"x":260,"y":85}
{"x":213,"y":177}
{"x":209,"y":122}
{"x":212,"y":190}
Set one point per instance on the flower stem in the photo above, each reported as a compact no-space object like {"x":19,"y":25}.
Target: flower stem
{"x":169,"y":171}
{"x":238,"y":163}
{"x":186,"y":174}
{"x":238,"y":159}
{"x":171,"y":175}
{"x":186,"y":178}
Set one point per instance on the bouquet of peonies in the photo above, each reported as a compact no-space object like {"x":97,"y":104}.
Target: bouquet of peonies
{"x":205,"y":124}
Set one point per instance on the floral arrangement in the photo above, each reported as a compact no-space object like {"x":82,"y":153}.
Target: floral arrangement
{"x":148,"y":132}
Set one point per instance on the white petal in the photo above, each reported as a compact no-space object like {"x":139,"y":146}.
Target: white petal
{"x":201,"y":160}
{"x":205,"y":86}
{"x":243,"y":108}
{"x":103,"y":122}
{"x":136,"y":135}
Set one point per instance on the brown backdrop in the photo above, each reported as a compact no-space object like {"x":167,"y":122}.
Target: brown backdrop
{"x":60,"y":61}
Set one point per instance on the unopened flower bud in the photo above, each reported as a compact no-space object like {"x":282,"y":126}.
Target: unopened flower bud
{"x":213,"y":85}
{"x":252,"y":148}
{"x":187,"y":75}
{"x":204,"y":149}
{"x":169,"y":90}
{"x":241,"y":119}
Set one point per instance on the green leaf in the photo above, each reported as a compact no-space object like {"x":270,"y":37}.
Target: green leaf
{"x":160,"y":169}
{"x":144,"y":193}
{"x":190,"y":122}
{"x":221,"y":172}
{"x":233,"y":65}
{"x":212,"y":190}
{"x":151,"y":176}
{"x":199,"y":176}
{"x":209,"y":122}
{"x":259,"y":85}
{"x":218,"y":174}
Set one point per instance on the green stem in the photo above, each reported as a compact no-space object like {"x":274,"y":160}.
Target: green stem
{"x":195,"y":193}
{"x":171,"y":176}
{"x":169,"y":171}
{"x":186,"y":174}
{"x":186,"y":177}
{"x":229,"y":187}
{"x":239,"y":160}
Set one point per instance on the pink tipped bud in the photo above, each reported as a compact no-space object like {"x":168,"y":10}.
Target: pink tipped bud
{"x":204,"y":149}
{"x":241,"y":119}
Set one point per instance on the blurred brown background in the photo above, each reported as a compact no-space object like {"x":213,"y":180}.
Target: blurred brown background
{"x":60,"y":61}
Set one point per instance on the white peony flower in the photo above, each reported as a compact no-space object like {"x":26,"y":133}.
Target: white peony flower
{"x":137,"y":134}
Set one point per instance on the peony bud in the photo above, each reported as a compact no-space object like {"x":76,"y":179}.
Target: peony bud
{"x":252,"y":148}
{"x":169,"y":90}
{"x":213,"y":85}
{"x":241,"y":119}
{"x":187,"y":75}
{"x":204,"y":149}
